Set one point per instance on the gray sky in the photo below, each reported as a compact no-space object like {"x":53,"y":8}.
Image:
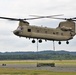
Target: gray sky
{"x":24,"y":8}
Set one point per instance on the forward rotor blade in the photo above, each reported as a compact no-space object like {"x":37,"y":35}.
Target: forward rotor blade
{"x":46,"y":16}
{"x":31,"y":18}
{"x":15,"y":19}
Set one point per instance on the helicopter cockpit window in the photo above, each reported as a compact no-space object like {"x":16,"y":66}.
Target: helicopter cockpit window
{"x":20,"y":28}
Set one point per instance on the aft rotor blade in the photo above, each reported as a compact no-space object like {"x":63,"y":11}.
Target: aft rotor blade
{"x":68,"y":19}
{"x":74,"y":18}
{"x":46,"y":16}
{"x":38,"y":17}
{"x":60,"y":18}
{"x":31,"y":18}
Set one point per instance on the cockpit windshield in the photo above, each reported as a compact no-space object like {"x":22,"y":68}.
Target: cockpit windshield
{"x":20,"y":28}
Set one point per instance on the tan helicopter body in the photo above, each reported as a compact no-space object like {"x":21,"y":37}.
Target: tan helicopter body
{"x":64,"y":32}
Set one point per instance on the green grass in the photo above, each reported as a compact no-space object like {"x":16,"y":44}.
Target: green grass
{"x":18,"y":61}
{"x":21,"y":71}
{"x":57,"y":62}
{"x":13,"y":71}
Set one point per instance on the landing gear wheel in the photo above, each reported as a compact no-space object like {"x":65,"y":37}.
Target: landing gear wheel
{"x":67,"y":42}
{"x":33,"y":41}
{"x":59,"y":42}
{"x":40,"y":41}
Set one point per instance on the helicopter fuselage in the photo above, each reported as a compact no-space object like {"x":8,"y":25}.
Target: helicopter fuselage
{"x":55,"y":34}
{"x":65,"y":31}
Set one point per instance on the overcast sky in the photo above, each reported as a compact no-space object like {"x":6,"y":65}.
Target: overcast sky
{"x":22,"y":9}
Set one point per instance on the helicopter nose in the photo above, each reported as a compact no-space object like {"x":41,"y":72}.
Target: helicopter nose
{"x":16,"y":32}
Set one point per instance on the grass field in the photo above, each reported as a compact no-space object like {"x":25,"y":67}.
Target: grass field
{"x":12,"y":71}
{"x":57,"y":62}
{"x":22,"y":71}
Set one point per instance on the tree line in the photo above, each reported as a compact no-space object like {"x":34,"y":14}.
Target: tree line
{"x":41,"y":55}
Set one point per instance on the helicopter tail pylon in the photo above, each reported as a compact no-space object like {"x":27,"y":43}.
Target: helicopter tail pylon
{"x":75,"y":29}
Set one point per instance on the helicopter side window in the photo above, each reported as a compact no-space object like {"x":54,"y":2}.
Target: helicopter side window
{"x":57,"y":33}
{"x":61,"y":33}
{"x":45,"y":31}
{"x":38,"y":31}
{"x":53,"y":32}
{"x":29,"y":30}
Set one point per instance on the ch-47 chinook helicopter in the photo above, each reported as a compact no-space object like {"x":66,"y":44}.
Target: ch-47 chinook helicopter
{"x":64,"y":32}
